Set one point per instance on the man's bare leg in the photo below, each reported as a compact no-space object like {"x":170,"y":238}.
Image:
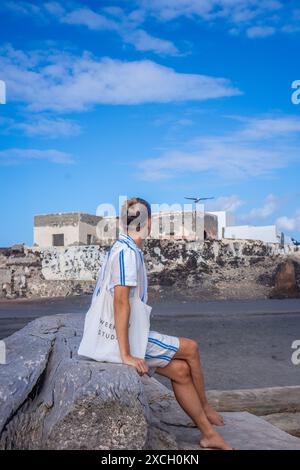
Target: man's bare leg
{"x":189,"y":351}
{"x":180,"y":374}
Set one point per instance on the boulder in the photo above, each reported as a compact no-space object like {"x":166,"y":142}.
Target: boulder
{"x":285,"y":283}
{"x":52,"y":399}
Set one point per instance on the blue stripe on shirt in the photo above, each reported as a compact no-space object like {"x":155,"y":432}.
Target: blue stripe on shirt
{"x":122,"y":270}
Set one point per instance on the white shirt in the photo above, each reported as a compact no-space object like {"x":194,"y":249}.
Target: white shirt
{"x":126,"y":267}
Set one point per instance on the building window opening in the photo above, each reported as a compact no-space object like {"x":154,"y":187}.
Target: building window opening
{"x":58,"y":239}
{"x":172,"y":229}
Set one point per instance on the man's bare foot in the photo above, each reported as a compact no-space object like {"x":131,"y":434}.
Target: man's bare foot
{"x":214,"y":441}
{"x":212,"y":416}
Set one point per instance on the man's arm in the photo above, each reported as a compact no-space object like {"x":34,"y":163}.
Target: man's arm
{"x":121,"y":314}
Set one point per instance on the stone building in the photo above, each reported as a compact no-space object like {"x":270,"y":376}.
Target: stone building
{"x":183,"y":225}
{"x":77,"y":228}
{"x":224,"y":219}
{"x":65,"y":229}
{"x":265,"y":233}
{"x":210,"y":226}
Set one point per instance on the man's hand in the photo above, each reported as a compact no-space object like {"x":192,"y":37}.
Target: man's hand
{"x":140,"y":364}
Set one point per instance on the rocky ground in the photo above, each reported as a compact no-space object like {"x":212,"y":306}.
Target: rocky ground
{"x":178,"y":270}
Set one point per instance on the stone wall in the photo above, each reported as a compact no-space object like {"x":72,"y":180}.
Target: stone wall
{"x":57,"y":220}
{"x":227,"y":269}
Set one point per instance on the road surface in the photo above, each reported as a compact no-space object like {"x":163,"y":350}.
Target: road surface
{"x":243,"y":344}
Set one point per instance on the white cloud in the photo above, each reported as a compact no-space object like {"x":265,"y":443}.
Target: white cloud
{"x":64,"y":82}
{"x":54,"y":8}
{"x":48,"y":127}
{"x":289,"y":223}
{"x":21,"y":7}
{"x":260,"y":31}
{"x":225,"y":203}
{"x":268,"y":208}
{"x":233,"y":156}
{"x":184,"y":122}
{"x":235,"y":11}
{"x":144,"y":42}
{"x":14,"y":155}
{"x":268,"y":127}
{"x":218,"y":157}
{"x":38,"y":125}
{"x":124,"y":26}
{"x":108,"y":19}
{"x":257,"y":18}
{"x":87,"y":17}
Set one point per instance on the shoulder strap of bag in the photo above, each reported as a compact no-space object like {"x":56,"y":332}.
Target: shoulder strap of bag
{"x":107,"y":273}
{"x":138,"y":277}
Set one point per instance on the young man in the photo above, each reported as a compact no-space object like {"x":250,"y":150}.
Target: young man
{"x":174,"y":357}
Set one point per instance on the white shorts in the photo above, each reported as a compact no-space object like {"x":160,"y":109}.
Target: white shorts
{"x":160,"y":350}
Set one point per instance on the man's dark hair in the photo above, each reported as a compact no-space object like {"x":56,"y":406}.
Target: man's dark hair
{"x":134,"y":214}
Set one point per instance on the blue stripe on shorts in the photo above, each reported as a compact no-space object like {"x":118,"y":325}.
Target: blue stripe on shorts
{"x":163,"y":345}
{"x":165,"y":358}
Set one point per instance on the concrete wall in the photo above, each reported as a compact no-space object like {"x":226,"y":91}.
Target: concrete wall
{"x":173,"y":226}
{"x":56,"y":220}
{"x":182,"y":225}
{"x":222,"y":222}
{"x":43,"y":236}
{"x":75,"y":226}
{"x":107,"y":230}
{"x":84,"y":230}
{"x":210,"y":226}
{"x":266,"y":233}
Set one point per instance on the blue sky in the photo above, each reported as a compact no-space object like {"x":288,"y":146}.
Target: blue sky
{"x":161,"y":99}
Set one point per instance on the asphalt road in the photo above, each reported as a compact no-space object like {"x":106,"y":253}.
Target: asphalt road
{"x":243,"y":344}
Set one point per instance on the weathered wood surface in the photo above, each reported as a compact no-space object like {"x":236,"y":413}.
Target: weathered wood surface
{"x":260,"y":401}
{"x":288,"y":422}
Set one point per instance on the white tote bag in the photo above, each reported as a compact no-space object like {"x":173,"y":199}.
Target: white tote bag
{"x":99,"y":339}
